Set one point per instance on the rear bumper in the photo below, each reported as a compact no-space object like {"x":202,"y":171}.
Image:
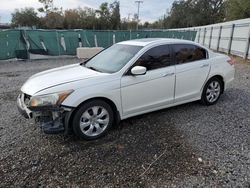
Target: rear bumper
{"x":229,"y":77}
{"x":50,"y":120}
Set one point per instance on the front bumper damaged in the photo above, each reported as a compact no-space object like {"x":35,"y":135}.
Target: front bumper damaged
{"x":22,"y":108}
{"x":52,"y":120}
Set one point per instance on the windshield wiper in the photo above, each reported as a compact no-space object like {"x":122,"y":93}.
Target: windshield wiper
{"x":93,"y":68}
{"x":84,"y":62}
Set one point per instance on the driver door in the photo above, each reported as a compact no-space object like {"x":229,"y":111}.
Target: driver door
{"x":141,"y":93}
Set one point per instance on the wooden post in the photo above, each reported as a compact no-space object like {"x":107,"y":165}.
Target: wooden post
{"x":247,"y":44}
{"x":230,"y":39}
{"x":219,"y":37}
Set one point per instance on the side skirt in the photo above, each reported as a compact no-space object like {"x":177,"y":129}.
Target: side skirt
{"x":160,"y":108}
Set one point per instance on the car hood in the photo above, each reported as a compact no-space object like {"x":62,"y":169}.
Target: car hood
{"x":57,"y":76}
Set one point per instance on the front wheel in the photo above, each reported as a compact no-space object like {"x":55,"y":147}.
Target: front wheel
{"x":92,"y":120}
{"x":212,"y":91}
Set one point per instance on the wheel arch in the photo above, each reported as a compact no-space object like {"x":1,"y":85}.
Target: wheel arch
{"x":69,"y":116}
{"x":220,"y":77}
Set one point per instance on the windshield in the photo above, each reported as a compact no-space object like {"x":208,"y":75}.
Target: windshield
{"x":113,"y":58}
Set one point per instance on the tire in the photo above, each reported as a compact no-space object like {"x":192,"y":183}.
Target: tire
{"x":212,"y":91}
{"x":93,"y":119}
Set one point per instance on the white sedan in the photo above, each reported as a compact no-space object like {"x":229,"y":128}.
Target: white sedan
{"x":127,"y":79}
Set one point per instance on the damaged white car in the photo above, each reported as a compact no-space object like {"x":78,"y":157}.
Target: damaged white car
{"x":125,"y":80}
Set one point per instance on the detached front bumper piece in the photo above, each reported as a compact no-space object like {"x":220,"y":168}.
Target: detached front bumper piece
{"x":52,"y":120}
{"x":22,"y":108}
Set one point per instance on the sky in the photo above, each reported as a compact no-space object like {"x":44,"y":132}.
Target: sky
{"x":150,"y":10}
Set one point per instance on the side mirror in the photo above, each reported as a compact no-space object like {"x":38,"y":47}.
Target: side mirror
{"x":138,"y":70}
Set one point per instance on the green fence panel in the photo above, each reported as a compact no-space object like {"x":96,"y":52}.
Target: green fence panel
{"x":139,"y":34}
{"x":88,"y":39}
{"x":12,"y":45}
{"x":69,"y":42}
{"x":17,"y":43}
{"x":97,"y":38}
{"x":35,"y":40}
{"x":104,"y":38}
{"x":122,"y":35}
{"x":45,"y":41}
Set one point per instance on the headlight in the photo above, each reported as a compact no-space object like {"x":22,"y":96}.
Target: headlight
{"x":54,"y":99}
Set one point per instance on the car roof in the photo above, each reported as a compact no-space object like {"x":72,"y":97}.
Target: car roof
{"x":149,"y":41}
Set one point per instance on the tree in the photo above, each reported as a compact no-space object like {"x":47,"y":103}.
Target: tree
{"x":71,"y":19}
{"x":108,"y":16}
{"x":189,"y":13}
{"x":237,"y":9}
{"x":208,"y":11}
{"x":146,"y":25}
{"x":48,"y":6}
{"x":179,"y":14}
{"x":53,"y":20}
{"x":128,"y":24}
{"x":25,"y":17}
{"x":103,"y":15}
{"x":87,"y":18}
{"x":115,"y":17}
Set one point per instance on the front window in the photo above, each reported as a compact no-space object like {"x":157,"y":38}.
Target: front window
{"x":113,"y":58}
{"x":155,"y":58}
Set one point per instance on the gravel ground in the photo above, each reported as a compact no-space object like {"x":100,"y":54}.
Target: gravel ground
{"x":189,"y":145}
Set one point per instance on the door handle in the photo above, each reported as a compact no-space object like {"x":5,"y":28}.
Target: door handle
{"x":168,"y":74}
{"x":204,"y":65}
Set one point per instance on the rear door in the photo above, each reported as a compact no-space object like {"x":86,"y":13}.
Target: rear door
{"x":192,"y":68}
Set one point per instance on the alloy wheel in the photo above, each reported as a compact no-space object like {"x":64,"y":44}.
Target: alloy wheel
{"x":94,"y":121}
{"x":213,"y":91}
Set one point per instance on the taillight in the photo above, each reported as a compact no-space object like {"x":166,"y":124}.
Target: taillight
{"x":231,"y":61}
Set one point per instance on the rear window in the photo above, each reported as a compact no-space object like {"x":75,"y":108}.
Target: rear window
{"x":185,"y":53}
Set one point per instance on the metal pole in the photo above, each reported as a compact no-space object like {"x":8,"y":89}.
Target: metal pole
{"x":192,"y":35}
{"x":247,"y":44}
{"x":58,"y":45}
{"x":138,"y":12}
{"x":95,"y":39}
{"x":27,"y":44}
{"x":113,"y":38}
{"x":210,"y":37}
{"x":199,"y":36}
{"x":230,"y":40}
{"x":203,"y":42}
{"x":218,"y":42}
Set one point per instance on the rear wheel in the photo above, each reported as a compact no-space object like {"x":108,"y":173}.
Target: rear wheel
{"x":93,"y":119}
{"x":212,"y":91}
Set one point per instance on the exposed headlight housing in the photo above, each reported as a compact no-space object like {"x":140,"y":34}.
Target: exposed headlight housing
{"x":50,"y":100}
